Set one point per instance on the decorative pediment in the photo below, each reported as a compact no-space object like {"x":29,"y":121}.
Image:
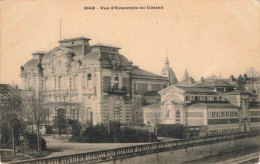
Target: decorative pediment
{"x":170,"y":90}
{"x":61,"y":59}
{"x":174,"y":99}
{"x":62,"y":52}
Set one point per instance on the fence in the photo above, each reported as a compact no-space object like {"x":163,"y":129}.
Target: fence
{"x":125,"y":152}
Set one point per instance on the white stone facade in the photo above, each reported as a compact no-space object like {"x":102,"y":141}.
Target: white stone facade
{"x":90,"y":83}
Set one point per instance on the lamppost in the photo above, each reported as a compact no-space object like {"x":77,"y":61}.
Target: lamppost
{"x":21,"y":139}
{"x":66,"y":127}
{"x":149,"y":126}
{"x":0,"y":147}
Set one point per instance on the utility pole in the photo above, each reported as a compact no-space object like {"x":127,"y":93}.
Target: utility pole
{"x":60,"y":29}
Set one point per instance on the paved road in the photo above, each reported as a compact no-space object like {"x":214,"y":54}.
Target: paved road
{"x":244,"y":159}
{"x":64,"y":147}
{"x":236,"y":157}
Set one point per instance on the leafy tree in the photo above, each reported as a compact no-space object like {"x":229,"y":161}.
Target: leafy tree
{"x":11,"y":114}
{"x":35,"y":111}
{"x":232,"y":78}
{"x":76,"y":127}
{"x":245,"y":77}
{"x":60,"y":120}
{"x":241,"y":83}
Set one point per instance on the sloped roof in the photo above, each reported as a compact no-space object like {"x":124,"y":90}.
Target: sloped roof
{"x":213,"y":105}
{"x":213,"y":77}
{"x":104,"y":45}
{"x":240,"y":92}
{"x":31,"y":64}
{"x":153,"y":106}
{"x":142,"y":73}
{"x":195,"y":90}
{"x":92,"y":56}
{"x":72,"y":39}
{"x":210,"y":84}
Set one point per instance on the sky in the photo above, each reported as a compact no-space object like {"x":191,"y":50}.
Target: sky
{"x":206,"y":37}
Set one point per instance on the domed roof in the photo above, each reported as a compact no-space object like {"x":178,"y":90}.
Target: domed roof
{"x":31,"y":65}
{"x":105,"y":58}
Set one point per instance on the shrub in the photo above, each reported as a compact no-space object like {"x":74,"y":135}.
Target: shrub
{"x":170,"y":130}
{"x":48,"y":129}
{"x":137,"y":135}
{"x":31,"y":140}
{"x":76,"y":127}
{"x":112,"y":133}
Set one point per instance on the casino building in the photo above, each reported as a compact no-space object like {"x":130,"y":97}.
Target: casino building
{"x":89,"y":83}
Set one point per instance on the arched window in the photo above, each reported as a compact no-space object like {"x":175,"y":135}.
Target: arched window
{"x":90,"y":116}
{"x":46,"y":84}
{"x":178,"y":116}
{"x":167,"y":111}
{"x":74,"y":114}
{"x":89,"y":77}
{"x":89,"y":81}
{"x":29,"y":84}
{"x":60,"y":83}
{"x":76,"y":82}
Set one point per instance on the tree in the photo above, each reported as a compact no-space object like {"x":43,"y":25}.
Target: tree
{"x":245,"y":77}
{"x":202,"y":79}
{"x":241,"y":83}
{"x":232,"y":78}
{"x":11,"y":114}
{"x":35,"y":111}
{"x":192,"y":80}
{"x":60,"y":120}
{"x":253,"y":80}
{"x":155,"y":115}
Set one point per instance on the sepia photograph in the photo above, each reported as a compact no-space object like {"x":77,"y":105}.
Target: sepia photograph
{"x":129,"y":81}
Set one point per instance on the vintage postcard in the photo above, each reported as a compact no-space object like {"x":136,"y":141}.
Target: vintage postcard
{"x":129,"y":81}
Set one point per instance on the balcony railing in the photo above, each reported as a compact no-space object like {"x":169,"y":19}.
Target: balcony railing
{"x":117,"y":91}
{"x":56,"y":93}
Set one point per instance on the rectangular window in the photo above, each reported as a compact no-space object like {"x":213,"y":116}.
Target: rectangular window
{"x":138,"y":86}
{"x":144,"y":87}
{"x":117,"y":113}
{"x":116,"y":81}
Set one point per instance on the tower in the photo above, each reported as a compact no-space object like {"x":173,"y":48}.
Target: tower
{"x":168,"y":72}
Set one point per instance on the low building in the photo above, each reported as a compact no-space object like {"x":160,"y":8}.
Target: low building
{"x":217,"y":107}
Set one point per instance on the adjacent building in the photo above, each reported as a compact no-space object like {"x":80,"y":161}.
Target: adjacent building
{"x":215,"y":107}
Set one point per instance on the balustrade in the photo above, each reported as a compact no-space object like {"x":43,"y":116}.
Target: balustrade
{"x":149,"y":148}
